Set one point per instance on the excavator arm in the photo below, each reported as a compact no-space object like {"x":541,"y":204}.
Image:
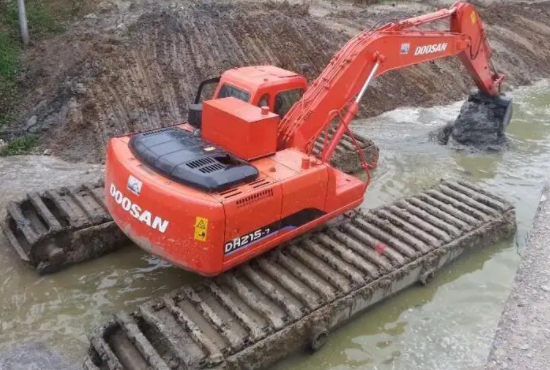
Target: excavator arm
{"x":342,"y":84}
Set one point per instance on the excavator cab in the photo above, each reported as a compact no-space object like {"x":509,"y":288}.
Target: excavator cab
{"x":270,"y":86}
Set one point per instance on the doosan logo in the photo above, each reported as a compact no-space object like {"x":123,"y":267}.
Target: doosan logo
{"x":430,"y":49}
{"x":137,"y":212}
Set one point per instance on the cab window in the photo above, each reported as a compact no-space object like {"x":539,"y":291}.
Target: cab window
{"x":264,"y":101}
{"x":285,"y":100}
{"x":228,"y":90}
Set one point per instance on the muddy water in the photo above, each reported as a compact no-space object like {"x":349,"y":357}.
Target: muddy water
{"x":448,"y":324}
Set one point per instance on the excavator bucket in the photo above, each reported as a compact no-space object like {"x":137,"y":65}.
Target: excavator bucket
{"x":481,"y":123}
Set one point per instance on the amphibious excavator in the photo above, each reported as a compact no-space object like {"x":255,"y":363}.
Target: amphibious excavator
{"x":251,"y":169}
{"x":250,"y":181}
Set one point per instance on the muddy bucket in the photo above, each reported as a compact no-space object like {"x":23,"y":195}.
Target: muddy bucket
{"x":481,"y":123}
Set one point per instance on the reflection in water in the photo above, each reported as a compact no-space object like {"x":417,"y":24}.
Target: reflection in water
{"x":446,"y":325}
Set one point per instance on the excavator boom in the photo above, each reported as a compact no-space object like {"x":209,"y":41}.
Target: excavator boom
{"x":377,"y":51}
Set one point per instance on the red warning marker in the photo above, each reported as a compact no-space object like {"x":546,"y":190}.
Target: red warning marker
{"x":380,"y":248}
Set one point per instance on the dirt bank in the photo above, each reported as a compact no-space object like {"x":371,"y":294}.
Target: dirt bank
{"x":521,"y":340}
{"x":135,"y":65}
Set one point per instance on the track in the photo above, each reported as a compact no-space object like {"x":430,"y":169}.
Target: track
{"x":61,"y":227}
{"x":47,"y":230}
{"x":289,"y":298}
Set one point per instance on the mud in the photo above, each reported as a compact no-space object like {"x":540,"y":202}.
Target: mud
{"x":346,"y":156}
{"x":293,"y":297}
{"x":134,"y":66}
{"x":481,"y":124}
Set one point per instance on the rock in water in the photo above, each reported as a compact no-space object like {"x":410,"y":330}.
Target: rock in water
{"x":481,"y":123}
{"x":33,"y":356}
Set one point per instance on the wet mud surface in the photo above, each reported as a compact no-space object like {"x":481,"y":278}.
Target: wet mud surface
{"x":133,"y":66}
{"x":480,"y":125}
{"x":34,"y":356}
{"x":37,"y":173}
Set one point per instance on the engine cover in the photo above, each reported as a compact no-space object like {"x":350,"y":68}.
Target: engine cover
{"x":189,"y":160}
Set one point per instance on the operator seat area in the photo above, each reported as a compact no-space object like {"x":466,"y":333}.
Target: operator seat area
{"x":189,"y":160}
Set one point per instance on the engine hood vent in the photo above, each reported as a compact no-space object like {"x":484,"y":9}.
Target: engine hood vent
{"x":189,"y":160}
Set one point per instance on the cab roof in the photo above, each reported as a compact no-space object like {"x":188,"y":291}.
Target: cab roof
{"x":257,"y":76}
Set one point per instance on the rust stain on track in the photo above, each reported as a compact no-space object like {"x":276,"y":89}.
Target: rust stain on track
{"x":292,"y":297}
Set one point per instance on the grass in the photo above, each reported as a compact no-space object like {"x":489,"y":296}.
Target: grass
{"x":9,"y":69}
{"x":9,"y":56}
{"x":41,"y":23}
{"x":21,"y":145}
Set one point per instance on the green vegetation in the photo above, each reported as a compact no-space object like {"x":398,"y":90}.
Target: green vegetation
{"x":9,"y":68}
{"x":9,"y":56}
{"x":22,"y":145}
{"x":40,"y":21}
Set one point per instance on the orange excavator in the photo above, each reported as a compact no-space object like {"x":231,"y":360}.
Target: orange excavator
{"x":242,"y":177}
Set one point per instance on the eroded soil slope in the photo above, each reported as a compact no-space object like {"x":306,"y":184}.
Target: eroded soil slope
{"x":135,"y":66}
